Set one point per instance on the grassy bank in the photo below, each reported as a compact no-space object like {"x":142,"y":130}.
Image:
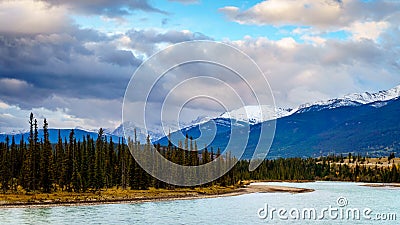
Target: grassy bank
{"x":110,"y":195}
{"x":114,"y":195}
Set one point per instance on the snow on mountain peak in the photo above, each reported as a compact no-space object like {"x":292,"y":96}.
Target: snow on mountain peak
{"x":355,"y":99}
{"x":256,"y":113}
{"x":155,"y":131}
{"x":365,"y":98}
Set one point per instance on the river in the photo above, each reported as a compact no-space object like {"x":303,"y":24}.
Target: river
{"x":332,"y":201}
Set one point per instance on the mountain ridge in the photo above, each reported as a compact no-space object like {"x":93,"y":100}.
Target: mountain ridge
{"x":251,"y":115}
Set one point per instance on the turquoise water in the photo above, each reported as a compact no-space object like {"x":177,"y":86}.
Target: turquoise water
{"x":241,"y":209}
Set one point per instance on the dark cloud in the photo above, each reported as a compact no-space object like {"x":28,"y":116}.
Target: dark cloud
{"x":109,"y":54}
{"x":114,"y":8}
{"x":146,"y":40}
{"x":47,"y":62}
{"x":64,"y":64}
{"x":77,"y":63}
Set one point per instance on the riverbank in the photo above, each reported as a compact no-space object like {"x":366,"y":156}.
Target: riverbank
{"x":116,"y":196}
{"x":269,"y":188}
{"x":391,"y":185}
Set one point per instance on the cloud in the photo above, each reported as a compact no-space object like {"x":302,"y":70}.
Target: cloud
{"x":73,"y":62}
{"x":278,"y":12}
{"x":323,"y":14}
{"x":77,"y":77}
{"x":308,"y":72}
{"x":50,"y":65}
{"x":42,"y":19}
{"x":64,"y":64}
{"x":316,"y":40}
{"x":148,"y":40}
{"x":14,"y":119}
{"x":115,"y":8}
{"x":367,"y":30}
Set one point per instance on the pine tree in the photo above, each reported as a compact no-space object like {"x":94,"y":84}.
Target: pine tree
{"x":46,"y":162}
{"x":91,"y":162}
{"x":84,"y":169}
{"x":28,"y":171}
{"x":109,"y":164}
{"x":99,"y":165}
{"x":124,"y":164}
{"x":15,"y":164}
{"x":5,"y":172}
{"x":68,"y":163}
{"x":58,"y":161}
{"x":36,"y":157}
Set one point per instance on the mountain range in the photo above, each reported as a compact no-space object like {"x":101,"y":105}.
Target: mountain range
{"x":79,"y":134}
{"x":365,"y":123}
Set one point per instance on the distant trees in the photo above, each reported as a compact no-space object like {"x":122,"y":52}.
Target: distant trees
{"x":94,"y":164}
{"x":46,"y":161}
{"x":391,"y":156}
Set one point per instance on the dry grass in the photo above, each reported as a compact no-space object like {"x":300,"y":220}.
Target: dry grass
{"x":370,"y":162}
{"x":109,"y":195}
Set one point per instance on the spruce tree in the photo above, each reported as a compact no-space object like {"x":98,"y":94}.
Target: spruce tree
{"x":5,"y":173}
{"x":28,"y":171}
{"x":15,"y":164}
{"x":58,"y":161}
{"x":36,"y":156}
{"x":99,"y":164}
{"x":46,"y":162}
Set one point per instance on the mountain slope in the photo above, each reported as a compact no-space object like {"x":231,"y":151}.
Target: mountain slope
{"x":356,"y":99}
{"x":356,"y":128}
{"x":53,"y":135}
{"x":254,"y":114}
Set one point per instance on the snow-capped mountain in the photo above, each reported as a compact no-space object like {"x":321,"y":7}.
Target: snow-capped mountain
{"x":14,"y":132}
{"x":355,"y":99}
{"x":155,"y":131}
{"x":366,"y":97}
{"x":361,"y":125}
{"x":254,"y":114}
{"x":80,"y":134}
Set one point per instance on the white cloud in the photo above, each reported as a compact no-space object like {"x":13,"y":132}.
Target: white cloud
{"x":3,"y":105}
{"x":76,"y":77}
{"x":367,"y":30}
{"x":31,"y":17}
{"x":13,"y":84}
{"x":286,"y":42}
{"x":287,"y":12}
{"x":316,"y":40}
{"x":363,"y":20}
{"x":308,"y":71}
{"x":13,"y":118}
{"x":317,"y":13}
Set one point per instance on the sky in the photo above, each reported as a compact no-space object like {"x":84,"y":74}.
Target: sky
{"x":71,"y":61}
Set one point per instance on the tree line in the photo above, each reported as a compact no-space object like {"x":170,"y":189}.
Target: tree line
{"x":93,"y":164}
